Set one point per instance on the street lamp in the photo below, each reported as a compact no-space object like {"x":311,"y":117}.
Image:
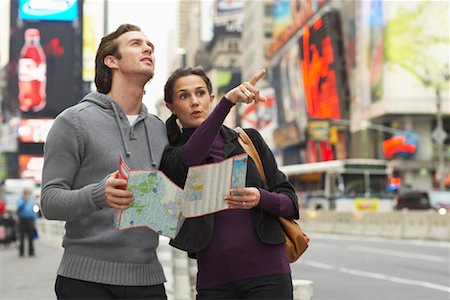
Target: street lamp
{"x":439,"y":133}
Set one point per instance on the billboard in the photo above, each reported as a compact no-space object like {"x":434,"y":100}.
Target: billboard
{"x":404,"y":50}
{"x":416,"y":51}
{"x":30,"y":166}
{"x":48,"y":10}
{"x":45,"y":65}
{"x":289,"y":17}
{"x":228,"y":15}
{"x":93,"y":30}
{"x":34,"y":130}
{"x":323,"y":67}
{"x":261,"y":116}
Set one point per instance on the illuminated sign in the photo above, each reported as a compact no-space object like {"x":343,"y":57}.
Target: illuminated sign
{"x":44,"y":84}
{"x":323,"y":71}
{"x":287,"y":135}
{"x":289,"y":16}
{"x":48,"y":10}
{"x":318,"y":130}
{"x":367,"y":204}
{"x":34,"y":130}
{"x":260,"y":115}
{"x":30,"y":166}
{"x":404,"y":146}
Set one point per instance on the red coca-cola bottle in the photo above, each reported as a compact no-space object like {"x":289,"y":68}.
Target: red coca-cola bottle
{"x":32,"y":73}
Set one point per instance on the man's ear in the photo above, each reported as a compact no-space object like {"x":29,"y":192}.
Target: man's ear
{"x":110,"y":61}
{"x":169,"y":106}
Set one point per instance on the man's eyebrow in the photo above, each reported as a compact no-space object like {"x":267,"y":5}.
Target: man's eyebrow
{"x":142,"y":40}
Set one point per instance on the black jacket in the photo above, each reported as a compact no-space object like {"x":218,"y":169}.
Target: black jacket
{"x":196,"y":233}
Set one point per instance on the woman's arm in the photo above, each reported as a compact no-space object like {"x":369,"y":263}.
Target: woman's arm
{"x":199,"y":144}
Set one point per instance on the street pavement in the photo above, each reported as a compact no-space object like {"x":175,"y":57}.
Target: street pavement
{"x":24,"y":278}
{"x":28,"y":277}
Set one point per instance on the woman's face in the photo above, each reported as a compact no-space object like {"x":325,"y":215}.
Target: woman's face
{"x":191,"y":101}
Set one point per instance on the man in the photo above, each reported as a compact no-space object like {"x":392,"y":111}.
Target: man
{"x":27,"y":217}
{"x":80,"y":178}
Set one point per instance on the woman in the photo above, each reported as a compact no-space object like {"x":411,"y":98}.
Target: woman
{"x":239,"y":251}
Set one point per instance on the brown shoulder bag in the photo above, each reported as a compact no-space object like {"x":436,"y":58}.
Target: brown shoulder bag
{"x":296,"y":240}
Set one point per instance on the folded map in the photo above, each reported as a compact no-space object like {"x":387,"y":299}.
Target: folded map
{"x":162,"y":205}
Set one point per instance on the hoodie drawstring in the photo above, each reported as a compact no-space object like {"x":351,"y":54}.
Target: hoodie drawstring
{"x":149,"y":145}
{"x":116,"y":115}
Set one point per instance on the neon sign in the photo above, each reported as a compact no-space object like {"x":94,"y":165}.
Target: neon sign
{"x":319,"y":74}
{"x":48,"y":10}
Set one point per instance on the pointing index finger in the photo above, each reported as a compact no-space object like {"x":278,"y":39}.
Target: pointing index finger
{"x":257,"y":77}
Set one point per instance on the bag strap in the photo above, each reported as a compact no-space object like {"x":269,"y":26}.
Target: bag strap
{"x":247,"y":143}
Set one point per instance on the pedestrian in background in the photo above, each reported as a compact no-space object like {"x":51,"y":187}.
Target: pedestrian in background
{"x":240,"y":252}
{"x":27,"y":221}
{"x":80,"y":178}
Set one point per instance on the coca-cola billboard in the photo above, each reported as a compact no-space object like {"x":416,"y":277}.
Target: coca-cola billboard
{"x":45,"y":67}
{"x":32,"y":73}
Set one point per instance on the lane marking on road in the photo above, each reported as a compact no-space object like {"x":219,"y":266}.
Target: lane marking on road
{"x":424,"y":243}
{"x":379,"y":276}
{"x":398,"y":253}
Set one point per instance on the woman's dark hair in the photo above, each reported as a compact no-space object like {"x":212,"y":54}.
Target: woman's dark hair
{"x":108,"y":46}
{"x":173,"y":131}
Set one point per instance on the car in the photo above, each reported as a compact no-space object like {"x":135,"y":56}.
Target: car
{"x":414,"y":200}
{"x":422,"y":200}
{"x":440,"y":201}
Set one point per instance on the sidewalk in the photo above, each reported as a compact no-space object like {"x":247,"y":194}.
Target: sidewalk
{"x":34,"y":277}
{"x":28,"y":277}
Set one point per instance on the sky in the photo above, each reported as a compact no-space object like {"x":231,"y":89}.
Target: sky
{"x":158,"y":19}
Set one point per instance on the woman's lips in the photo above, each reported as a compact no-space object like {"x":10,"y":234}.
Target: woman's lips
{"x":196,"y":114}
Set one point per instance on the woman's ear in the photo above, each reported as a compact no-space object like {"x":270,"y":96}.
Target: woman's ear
{"x":110,"y":61}
{"x":212,"y":97}
{"x":169,"y":106}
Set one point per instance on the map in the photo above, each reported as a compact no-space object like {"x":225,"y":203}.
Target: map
{"x":163,"y":206}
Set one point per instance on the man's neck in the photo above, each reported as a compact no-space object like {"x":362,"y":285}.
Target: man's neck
{"x":128,"y":95}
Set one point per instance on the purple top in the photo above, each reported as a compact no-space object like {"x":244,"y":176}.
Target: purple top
{"x":235,"y":252}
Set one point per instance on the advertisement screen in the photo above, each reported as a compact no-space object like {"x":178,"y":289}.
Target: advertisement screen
{"x":289,"y":16}
{"x":45,"y":67}
{"x":261,"y":116}
{"x":319,"y":71}
{"x":34,"y":130}
{"x":30,"y":166}
{"x":417,"y":59}
{"x":48,"y":10}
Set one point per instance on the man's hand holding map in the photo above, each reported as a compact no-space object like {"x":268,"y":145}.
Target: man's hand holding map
{"x":162,"y":205}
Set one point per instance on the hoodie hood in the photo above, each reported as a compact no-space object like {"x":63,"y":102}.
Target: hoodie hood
{"x":107,"y":103}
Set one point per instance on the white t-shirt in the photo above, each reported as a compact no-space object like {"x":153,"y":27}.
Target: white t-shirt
{"x":132,"y":118}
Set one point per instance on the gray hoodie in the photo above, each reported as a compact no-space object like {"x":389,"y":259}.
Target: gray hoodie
{"x":81,"y":151}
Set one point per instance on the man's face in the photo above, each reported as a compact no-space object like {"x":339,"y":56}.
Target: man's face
{"x":137,"y":55}
{"x":27,"y":194}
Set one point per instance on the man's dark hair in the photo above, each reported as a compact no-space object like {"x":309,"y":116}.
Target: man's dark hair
{"x":108,"y":46}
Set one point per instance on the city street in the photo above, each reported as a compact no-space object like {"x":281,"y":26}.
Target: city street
{"x":361,"y":268}
{"x":28,"y":277}
{"x":341,"y":267}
